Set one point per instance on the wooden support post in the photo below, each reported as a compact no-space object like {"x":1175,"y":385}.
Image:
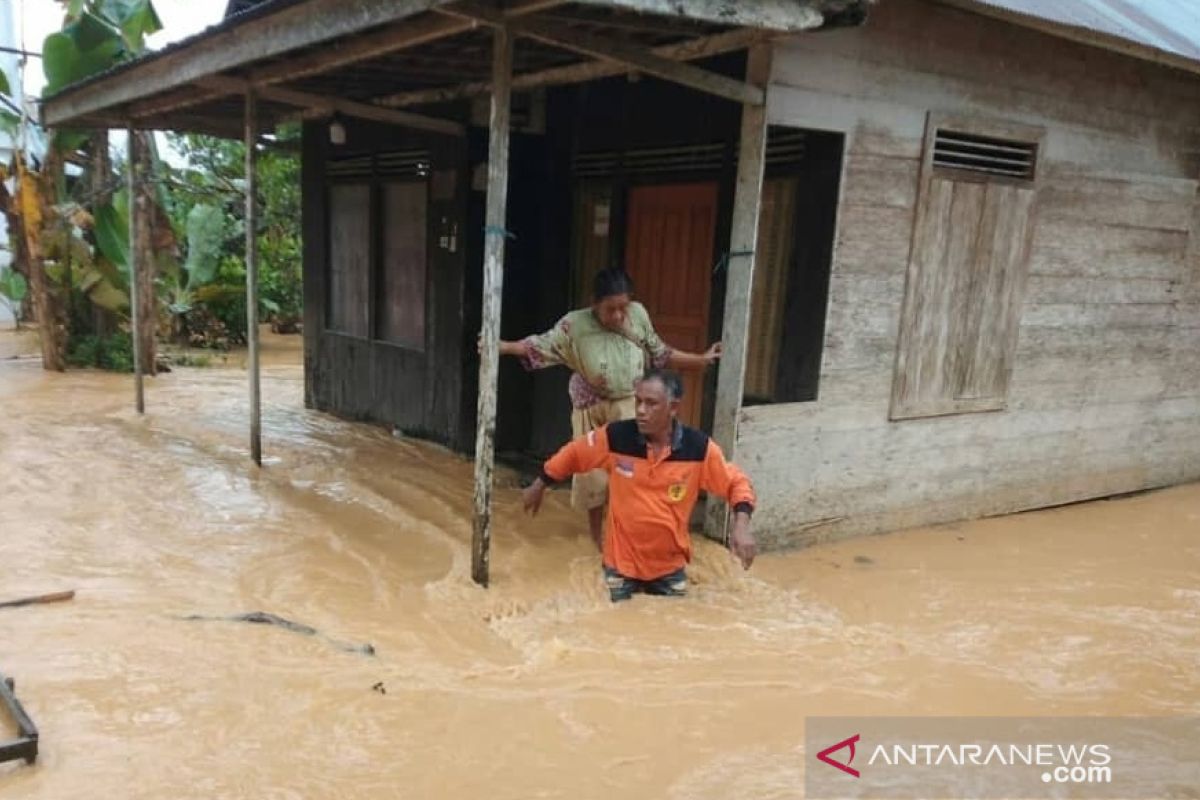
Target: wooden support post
{"x":494,"y":237}
{"x":251,"y":138}
{"x":743,"y":241}
{"x":134,"y":257}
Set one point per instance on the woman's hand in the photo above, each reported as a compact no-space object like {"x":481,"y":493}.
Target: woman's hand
{"x":506,"y":348}
{"x":713,"y":354}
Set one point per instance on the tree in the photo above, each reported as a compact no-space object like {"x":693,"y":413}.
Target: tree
{"x":49,"y":213}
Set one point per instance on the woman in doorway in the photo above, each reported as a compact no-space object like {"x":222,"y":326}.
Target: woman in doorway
{"x":607,"y":346}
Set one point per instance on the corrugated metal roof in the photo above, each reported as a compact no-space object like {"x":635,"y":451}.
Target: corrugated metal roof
{"x":1160,"y":30}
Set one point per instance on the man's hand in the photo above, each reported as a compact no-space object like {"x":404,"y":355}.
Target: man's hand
{"x":741,"y":541}
{"x":531,"y":498}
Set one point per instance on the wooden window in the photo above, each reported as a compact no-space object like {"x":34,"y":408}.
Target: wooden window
{"x":349,"y":258}
{"x":402,"y":279}
{"x":776,"y":224}
{"x":967,"y":270}
{"x":790,"y":294}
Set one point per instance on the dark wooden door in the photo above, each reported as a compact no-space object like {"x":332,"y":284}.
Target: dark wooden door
{"x":669,"y":254}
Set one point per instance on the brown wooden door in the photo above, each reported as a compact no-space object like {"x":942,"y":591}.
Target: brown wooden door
{"x":669,"y":254}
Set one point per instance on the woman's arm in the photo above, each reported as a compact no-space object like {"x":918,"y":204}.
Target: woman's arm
{"x":681,"y":359}
{"x":512,"y":348}
{"x":543,"y":349}
{"x":663,"y":355}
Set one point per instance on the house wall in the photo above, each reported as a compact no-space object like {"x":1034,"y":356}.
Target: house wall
{"x":1104,"y":395}
{"x":362,"y":378}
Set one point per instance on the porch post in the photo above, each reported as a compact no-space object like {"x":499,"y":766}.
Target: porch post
{"x":731,"y":377}
{"x":493,"y":282}
{"x":251,"y":138}
{"x":134,"y":258}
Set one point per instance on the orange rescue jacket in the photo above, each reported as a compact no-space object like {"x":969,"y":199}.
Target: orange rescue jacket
{"x":650,"y":499}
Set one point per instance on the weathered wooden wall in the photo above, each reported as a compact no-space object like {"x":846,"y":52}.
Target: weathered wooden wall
{"x":1105,"y":392}
{"x":361,"y":377}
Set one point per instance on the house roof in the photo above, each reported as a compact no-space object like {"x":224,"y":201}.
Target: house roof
{"x":399,"y":53}
{"x":238,"y":6}
{"x":395,"y":53}
{"x":1163,"y":31}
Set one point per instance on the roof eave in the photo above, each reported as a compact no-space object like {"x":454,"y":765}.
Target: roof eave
{"x":1079,"y":34}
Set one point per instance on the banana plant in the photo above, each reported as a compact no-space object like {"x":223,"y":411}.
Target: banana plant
{"x":13,"y":290}
{"x":184,"y":282}
{"x":44,"y":208}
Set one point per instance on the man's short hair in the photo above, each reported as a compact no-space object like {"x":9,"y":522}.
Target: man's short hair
{"x":670,"y":381}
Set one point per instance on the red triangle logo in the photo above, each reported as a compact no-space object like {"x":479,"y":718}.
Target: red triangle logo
{"x":844,"y":767}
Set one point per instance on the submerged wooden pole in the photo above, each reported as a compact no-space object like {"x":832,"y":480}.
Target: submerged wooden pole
{"x":41,"y":599}
{"x":493,"y":284}
{"x":747,"y":204}
{"x":251,"y":137}
{"x":134,"y":258}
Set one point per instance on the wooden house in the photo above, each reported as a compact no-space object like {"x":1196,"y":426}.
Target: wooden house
{"x":951,"y":246}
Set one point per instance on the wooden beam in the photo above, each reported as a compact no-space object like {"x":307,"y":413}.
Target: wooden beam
{"x":586,"y":71}
{"x":270,"y":35}
{"x":399,"y":36}
{"x":739,"y":284}
{"x":494,"y":236}
{"x":173,"y":101}
{"x":777,"y":15}
{"x":329,"y":105}
{"x":251,"y":179}
{"x":611,"y":50}
{"x":131,"y":177}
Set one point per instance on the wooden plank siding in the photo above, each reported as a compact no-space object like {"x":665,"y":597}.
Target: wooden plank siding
{"x":1104,"y":395}
{"x":376,"y":367}
{"x":966,"y":280}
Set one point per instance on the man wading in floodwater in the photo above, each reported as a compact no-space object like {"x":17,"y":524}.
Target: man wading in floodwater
{"x":657,"y":467}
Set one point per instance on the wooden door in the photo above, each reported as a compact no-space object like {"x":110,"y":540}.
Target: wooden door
{"x":669,"y":254}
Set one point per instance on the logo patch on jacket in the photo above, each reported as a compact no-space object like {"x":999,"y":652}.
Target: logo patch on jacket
{"x":624,"y":467}
{"x":676,"y":492}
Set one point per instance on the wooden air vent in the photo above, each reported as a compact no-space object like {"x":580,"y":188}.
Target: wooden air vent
{"x":984,"y":155}
{"x":395,"y":164}
{"x":784,"y":147}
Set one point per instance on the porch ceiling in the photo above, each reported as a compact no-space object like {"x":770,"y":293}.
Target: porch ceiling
{"x":384,"y":59}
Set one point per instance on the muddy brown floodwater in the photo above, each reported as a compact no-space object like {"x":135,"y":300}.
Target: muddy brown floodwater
{"x":537,"y":687}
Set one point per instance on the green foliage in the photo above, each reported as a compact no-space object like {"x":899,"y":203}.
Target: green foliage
{"x":12,"y":286}
{"x":98,"y":34}
{"x":194,"y":281}
{"x":205,"y":235}
{"x":113,"y":352}
{"x":84,"y":245}
{"x":13,"y":290}
{"x":223,"y":302}
{"x":70,"y":55}
{"x":112,"y":234}
{"x":189,"y":360}
{"x":215,"y":178}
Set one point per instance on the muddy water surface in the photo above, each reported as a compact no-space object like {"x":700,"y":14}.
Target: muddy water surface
{"x":537,"y":687}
